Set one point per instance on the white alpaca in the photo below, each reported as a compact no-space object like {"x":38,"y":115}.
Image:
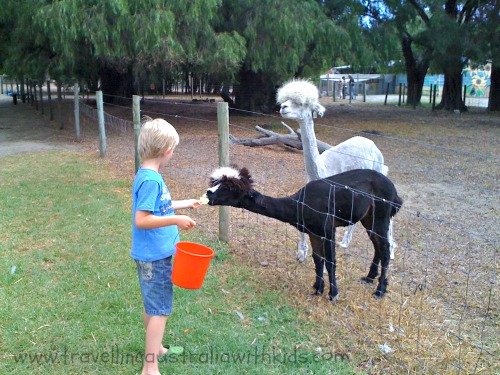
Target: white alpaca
{"x":299,"y":99}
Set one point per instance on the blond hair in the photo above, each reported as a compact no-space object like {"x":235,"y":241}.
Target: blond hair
{"x":156,"y":137}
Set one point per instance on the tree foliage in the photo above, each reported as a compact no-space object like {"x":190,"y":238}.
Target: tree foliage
{"x":245,"y":42}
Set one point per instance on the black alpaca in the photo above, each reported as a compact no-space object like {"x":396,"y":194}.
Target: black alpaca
{"x":317,"y":209}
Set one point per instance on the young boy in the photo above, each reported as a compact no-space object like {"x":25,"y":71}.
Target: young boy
{"x":155,"y":231}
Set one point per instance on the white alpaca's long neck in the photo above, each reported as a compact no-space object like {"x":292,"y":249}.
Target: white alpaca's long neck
{"x":315,"y":168}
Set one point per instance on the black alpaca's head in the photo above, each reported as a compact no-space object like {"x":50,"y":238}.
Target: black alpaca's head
{"x":229,"y":187}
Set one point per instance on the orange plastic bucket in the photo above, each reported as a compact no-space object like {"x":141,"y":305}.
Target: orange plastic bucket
{"x":191,"y":263}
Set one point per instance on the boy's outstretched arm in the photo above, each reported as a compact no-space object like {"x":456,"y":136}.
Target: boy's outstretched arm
{"x":186,"y":203}
{"x":146,"y":220}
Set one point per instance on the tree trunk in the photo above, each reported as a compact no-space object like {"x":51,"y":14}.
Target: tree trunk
{"x":255,"y":92}
{"x":451,"y":98}
{"x":494,"y":100}
{"x":116,"y":82}
{"x":416,"y":69}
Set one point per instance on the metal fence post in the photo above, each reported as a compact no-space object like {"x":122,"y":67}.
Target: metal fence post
{"x":223,"y":130}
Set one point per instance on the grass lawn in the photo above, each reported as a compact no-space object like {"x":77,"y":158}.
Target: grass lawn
{"x":69,"y":294}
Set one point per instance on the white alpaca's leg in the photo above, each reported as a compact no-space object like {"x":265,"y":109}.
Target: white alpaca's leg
{"x":392,"y":244}
{"x":302,"y":248}
{"x":347,"y":236}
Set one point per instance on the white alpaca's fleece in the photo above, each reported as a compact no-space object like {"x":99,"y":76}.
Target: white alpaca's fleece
{"x":300,"y":91}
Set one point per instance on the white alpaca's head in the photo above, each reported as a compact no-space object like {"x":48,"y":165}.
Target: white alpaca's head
{"x":299,"y":98}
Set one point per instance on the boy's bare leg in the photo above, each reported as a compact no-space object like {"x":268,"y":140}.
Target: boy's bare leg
{"x":162,"y":350}
{"x":155,"y":327}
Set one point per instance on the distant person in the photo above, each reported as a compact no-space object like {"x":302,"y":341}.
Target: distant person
{"x":351,"y":87}
{"x":155,"y":232}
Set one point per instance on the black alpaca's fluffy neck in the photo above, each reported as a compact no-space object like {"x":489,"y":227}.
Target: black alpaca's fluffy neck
{"x":282,"y":209}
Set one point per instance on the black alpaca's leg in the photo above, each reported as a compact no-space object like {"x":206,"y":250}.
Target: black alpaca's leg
{"x":331,"y":266}
{"x":383,"y":282}
{"x":319,"y":263}
{"x":382,"y":250}
{"x":378,"y":229}
{"x":373,"y":272}
{"x":319,"y":284}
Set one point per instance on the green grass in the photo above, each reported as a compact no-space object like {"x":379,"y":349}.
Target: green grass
{"x":70,"y":301}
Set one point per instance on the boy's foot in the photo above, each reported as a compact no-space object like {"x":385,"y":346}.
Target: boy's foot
{"x":177,"y":350}
{"x":163,"y":350}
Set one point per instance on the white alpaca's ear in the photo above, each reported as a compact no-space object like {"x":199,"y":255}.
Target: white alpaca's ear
{"x":319,"y":109}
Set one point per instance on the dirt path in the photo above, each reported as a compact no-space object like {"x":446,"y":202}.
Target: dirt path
{"x":23,"y":130}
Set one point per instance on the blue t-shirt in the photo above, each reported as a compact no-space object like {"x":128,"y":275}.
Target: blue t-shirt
{"x":149,"y":193}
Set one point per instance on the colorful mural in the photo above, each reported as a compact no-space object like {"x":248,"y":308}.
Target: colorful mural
{"x":478,"y":80}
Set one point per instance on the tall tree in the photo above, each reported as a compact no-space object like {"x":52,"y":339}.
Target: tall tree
{"x":452,"y":43}
{"x":490,"y":33}
{"x":283,"y":40}
{"x":409,"y":24}
{"x":456,"y":41}
{"x":118,"y":41}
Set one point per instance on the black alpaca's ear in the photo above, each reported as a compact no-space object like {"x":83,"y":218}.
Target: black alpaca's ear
{"x":245,"y":177}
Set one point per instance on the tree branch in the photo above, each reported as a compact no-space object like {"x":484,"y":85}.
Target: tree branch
{"x":420,"y":11}
{"x":268,"y":137}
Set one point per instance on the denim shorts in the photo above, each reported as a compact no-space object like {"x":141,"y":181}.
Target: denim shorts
{"x":155,"y":279}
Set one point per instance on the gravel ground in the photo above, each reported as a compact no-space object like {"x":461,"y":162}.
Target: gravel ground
{"x":443,"y":280}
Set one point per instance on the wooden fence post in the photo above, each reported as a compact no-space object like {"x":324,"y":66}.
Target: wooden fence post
{"x":1,"y":84}
{"x":36,"y":96}
{"x":28,"y":91}
{"x":76,"y":100}
{"x":23,"y":92}
{"x":223,"y":130}
{"x":41,"y":97}
{"x":386,"y":93}
{"x":434,"y":98}
{"x":59,"y":105}
{"x":102,"y":128}
{"x":364,"y":92}
{"x":136,"y":115}
{"x":400,"y":92}
{"x":49,"y":97}
{"x":350,"y":91}
{"x":334,"y":91}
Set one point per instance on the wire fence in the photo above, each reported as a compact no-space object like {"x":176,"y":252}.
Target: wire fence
{"x":441,"y":312}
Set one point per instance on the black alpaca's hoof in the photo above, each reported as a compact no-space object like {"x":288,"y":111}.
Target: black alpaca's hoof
{"x":334,"y":298}
{"x":367,"y":280}
{"x":316,"y":293}
{"x":378,"y":294}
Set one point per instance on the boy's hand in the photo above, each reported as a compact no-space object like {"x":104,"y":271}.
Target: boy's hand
{"x":194,"y":203}
{"x":185,"y":222}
